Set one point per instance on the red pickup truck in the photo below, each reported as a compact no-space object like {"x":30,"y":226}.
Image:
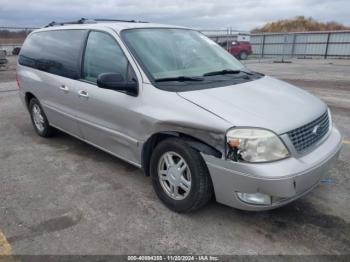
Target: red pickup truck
{"x":240,"y":49}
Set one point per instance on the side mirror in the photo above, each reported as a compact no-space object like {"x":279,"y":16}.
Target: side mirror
{"x":116,"y":81}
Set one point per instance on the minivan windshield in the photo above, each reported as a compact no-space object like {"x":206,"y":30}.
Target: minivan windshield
{"x":183,"y":54}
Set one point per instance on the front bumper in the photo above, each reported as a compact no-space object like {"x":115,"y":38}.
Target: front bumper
{"x":285,"y":180}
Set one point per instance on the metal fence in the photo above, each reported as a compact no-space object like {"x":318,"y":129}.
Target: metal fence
{"x":302,"y":45}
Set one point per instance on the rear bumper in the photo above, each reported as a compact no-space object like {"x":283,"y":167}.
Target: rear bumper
{"x":284,"y":180}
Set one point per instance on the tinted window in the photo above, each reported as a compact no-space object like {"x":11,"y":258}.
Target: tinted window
{"x":103,"y":55}
{"x":56,"y":52}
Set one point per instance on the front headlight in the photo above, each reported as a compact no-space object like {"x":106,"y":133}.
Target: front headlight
{"x":254,"y":145}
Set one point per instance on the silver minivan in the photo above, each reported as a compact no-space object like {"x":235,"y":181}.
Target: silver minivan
{"x":171,"y":101}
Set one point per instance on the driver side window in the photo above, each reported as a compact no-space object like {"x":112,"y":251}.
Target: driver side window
{"x":103,"y":55}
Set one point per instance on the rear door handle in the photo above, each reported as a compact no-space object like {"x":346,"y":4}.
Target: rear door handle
{"x":64,"y":88}
{"x":83,"y":93}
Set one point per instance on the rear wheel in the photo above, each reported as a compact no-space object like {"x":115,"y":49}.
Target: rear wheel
{"x":39,"y":120}
{"x":243,"y":55}
{"x":180,"y":176}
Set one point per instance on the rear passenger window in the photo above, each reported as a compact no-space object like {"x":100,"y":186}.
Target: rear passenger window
{"x":103,"y":55}
{"x":55,"y":52}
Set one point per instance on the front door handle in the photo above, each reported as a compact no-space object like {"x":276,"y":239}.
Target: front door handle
{"x":83,"y":93}
{"x":64,"y":88}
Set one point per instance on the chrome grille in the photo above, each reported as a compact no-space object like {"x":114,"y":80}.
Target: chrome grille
{"x":309,"y":134}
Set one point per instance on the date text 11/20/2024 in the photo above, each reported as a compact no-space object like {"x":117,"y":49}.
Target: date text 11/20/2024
{"x":173,"y":258}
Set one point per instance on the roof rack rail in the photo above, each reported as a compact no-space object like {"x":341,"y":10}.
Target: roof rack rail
{"x":91,"y":21}
{"x":118,"y":20}
{"x":80,"y":21}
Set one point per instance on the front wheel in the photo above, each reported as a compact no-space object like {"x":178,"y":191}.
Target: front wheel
{"x":180,"y":176}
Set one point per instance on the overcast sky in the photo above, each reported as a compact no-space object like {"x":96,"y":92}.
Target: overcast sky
{"x":238,"y":14}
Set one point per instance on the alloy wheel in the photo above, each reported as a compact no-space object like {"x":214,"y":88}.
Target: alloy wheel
{"x":38,"y":118}
{"x":174,"y":175}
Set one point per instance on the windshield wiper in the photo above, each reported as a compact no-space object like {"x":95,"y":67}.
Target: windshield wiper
{"x":222,"y":72}
{"x":180,"y":79}
{"x":226,"y":72}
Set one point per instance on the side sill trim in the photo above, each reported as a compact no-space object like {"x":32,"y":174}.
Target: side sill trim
{"x":99,"y":147}
{"x":106,"y":129}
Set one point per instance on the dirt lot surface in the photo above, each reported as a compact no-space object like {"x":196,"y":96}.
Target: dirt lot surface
{"x":62,"y":196}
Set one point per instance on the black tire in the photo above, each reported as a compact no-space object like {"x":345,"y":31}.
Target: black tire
{"x":201,"y":190}
{"x":47,"y":130}
{"x":243,"y":55}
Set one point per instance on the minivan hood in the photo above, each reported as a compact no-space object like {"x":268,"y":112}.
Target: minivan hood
{"x":267,"y":103}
